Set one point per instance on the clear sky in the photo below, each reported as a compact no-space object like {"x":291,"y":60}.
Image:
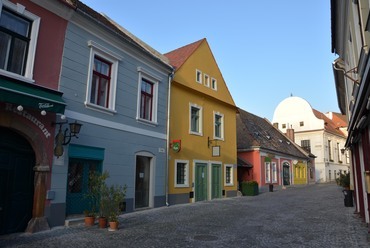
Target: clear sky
{"x":266,"y":50}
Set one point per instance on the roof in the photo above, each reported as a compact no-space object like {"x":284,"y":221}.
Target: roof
{"x":329,"y":125}
{"x":254,"y":131}
{"x":104,"y":20}
{"x":244,"y":163}
{"x":178,"y":56}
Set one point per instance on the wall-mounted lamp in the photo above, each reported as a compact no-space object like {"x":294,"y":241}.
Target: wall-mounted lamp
{"x":62,"y":139}
{"x":342,"y":150}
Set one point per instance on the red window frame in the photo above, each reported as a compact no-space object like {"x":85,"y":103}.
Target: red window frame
{"x":145,"y":96}
{"x":99,"y":76}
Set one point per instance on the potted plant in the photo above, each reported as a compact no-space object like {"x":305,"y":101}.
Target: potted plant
{"x":250,"y":188}
{"x":95,"y":185}
{"x":344,"y":179}
{"x":113,"y":199}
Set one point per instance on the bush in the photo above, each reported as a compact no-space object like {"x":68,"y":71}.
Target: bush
{"x":344,"y":179}
{"x":250,"y":188}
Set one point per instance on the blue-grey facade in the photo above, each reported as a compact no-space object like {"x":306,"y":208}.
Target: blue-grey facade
{"x":125,"y":133}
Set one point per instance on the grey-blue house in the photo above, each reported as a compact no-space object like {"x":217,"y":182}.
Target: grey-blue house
{"x":116,"y":86}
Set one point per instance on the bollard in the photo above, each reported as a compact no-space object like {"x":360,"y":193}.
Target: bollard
{"x":348,"y":199}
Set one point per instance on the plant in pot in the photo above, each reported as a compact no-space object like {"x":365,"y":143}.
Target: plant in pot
{"x":250,"y":188}
{"x":95,"y":184}
{"x":113,"y":199}
{"x":344,"y":179}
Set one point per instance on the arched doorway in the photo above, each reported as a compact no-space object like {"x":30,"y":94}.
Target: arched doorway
{"x":17,"y":160}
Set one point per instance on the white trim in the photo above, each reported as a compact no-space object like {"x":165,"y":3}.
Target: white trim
{"x":200,"y":81}
{"x":144,"y":74}
{"x":200,"y":133}
{"x":206,"y":80}
{"x":113,"y":58}
{"x":186,"y":184}
{"x":214,"y":86}
{"x":152,"y":169}
{"x":231,"y":174}
{"x":274,"y":173}
{"x":113,"y":125}
{"x":267,"y":173}
{"x":222,"y":125}
{"x":20,"y":9}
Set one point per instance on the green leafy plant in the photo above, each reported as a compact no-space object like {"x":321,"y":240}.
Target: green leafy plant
{"x":95,"y":185}
{"x":250,"y":188}
{"x":344,"y":179}
{"x":113,"y":197}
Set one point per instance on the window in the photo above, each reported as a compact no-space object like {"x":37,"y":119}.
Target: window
{"x":338,"y":153}
{"x":274,"y":172}
{"x":214,"y":84}
{"x":306,"y":144}
{"x":181,"y":173}
{"x":330,"y":151}
{"x":267,"y":172}
{"x":301,"y":124}
{"x":18,"y":36}
{"x":284,"y":126}
{"x":229,"y":175}
{"x":100,"y":83}
{"x":195,"y":119}
{"x":147,"y":100}
{"x":219,"y":126}
{"x":102,"y":78}
{"x":198,"y":76}
{"x":206,"y":80}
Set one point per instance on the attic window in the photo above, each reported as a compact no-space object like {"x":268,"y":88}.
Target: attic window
{"x":280,"y":141}
{"x":198,"y":76}
{"x":214,"y":84}
{"x":288,"y":142}
{"x":301,"y":124}
{"x":284,"y":126}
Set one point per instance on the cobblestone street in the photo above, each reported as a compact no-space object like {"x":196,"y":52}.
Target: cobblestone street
{"x":305,"y":216}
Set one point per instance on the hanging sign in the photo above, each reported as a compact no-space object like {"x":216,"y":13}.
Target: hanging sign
{"x":176,"y":145}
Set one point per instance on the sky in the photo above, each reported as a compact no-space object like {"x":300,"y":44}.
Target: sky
{"x":266,"y":50}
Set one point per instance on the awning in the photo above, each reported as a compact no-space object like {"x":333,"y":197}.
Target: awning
{"x":244,"y":163}
{"x":31,"y":95}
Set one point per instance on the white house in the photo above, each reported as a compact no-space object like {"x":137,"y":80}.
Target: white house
{"x":321,"y":134}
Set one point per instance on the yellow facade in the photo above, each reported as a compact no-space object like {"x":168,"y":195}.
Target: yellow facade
{"x":300,"y":173}
{"x":196,"y":149}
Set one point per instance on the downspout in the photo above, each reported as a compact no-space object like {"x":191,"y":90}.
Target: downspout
{"x":170,"y":77}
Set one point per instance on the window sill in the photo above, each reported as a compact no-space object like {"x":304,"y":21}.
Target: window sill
{"x":229,"y":184}
{"x":194,"y":133}
{"x":100,"y":109}
{"x":16,"y":76}
{"x":181,"y":186}
{"x":149,"y":123}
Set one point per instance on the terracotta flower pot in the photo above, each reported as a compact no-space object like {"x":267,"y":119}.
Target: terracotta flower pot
{"x":102,"y":222}
{"x":89,"y":220}
{"x":113,"y":225}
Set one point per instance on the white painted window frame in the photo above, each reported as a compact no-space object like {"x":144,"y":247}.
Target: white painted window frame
{"x":113,"y":58}
{"x":222,"y":125}
{"x":198,"y":76}
{"x":186,"y":184}
{"x":200,"y":133}
{"x":231,"y":166}
{"x":213,"y":84}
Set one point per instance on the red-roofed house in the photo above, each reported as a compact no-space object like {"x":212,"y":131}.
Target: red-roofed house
{"x":321,"y":134}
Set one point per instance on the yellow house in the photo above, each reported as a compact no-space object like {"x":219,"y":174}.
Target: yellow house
{"x":202,"y":128}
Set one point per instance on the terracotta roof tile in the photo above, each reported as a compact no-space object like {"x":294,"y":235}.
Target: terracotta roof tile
{"x":178,"y":56}
{"x":329,"y":125}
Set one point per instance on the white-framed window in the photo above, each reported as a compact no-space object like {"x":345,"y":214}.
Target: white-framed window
{"x":218,"y":120}
{"x":195,"y":119}
{"x":229,"y":175}
{"x":274,"y":172}
{"x":213,"y":83}
{"x":198,"y":76}
{"x":147,"y":97}
{"x":181,"y":173}
{"x":19,"y":30}
{"x":267,"y":172}
{"x":102,"y":78}
{"x":206,"y":80}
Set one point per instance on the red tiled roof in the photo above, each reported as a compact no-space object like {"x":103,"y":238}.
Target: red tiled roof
{"x":178,"y":56}
{"x":329,"y":126}
{"x":339,"y":120}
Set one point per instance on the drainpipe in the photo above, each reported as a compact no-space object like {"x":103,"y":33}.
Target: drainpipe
{"x":170,"y":76}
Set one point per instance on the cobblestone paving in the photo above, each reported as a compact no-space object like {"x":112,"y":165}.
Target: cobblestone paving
{"x":304,"y":216}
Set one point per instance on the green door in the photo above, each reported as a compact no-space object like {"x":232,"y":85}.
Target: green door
{"x":216,"y":181}
{"x":17,"y":160}
{"x":200,"y":181}
{"x":77,"y":184}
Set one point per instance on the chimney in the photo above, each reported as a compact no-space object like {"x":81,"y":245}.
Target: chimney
{"x":290,"y":133}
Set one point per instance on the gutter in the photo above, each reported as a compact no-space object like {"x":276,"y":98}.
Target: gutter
{"x":170,"y":77}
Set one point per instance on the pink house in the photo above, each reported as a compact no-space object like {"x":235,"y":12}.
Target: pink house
{"x":268,"y":156}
